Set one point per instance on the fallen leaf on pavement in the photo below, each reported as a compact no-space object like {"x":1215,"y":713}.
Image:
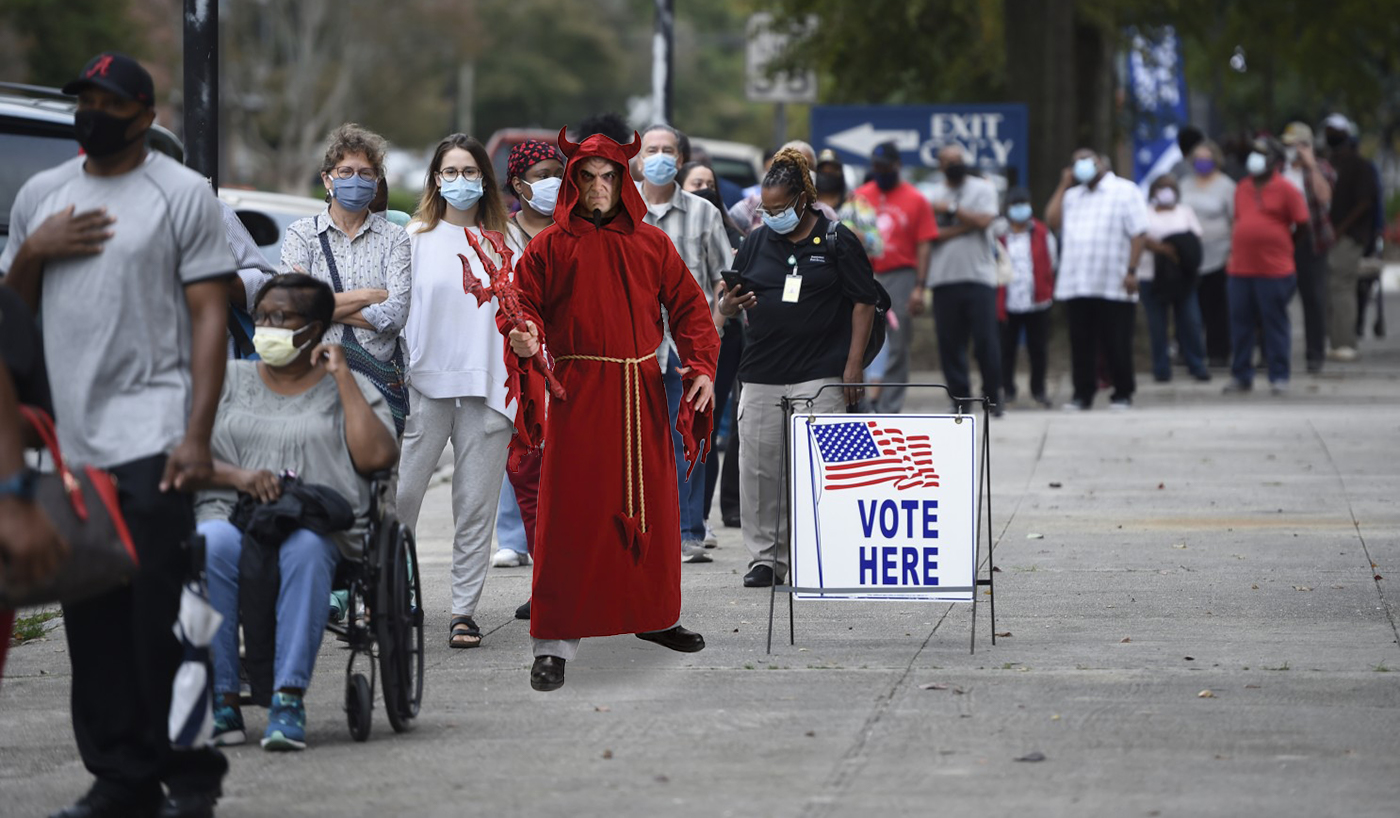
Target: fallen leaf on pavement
{"x":1056,"y":485}
{"x":811,"y":734}
{"x":1179,"y":545}
{"x":933,"y":686}
{"x":602,"y":708}
{"x":1035,"y":536}
{"x":1004,"y":634}
{"x":1301,"y":588}
{"x":1205,"y":694}
{"x":1251,"y":687}
{"x":1161,"y":486}
{"x":662,"y":779}
{"x":1126,"y":640}
{"x":1378,"y":577}
{"x":1036,"y":756}
{"x":607,"y":754}
{"x":1253,"y":587}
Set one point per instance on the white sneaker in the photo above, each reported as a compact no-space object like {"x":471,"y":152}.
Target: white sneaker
{"x":1121,"y":405}
{"x":711,"y":538}
{"x":1344,"y":354}
{"x":1074,"y":406}
{"x":509,"y":558}
{"x":694,"y":551}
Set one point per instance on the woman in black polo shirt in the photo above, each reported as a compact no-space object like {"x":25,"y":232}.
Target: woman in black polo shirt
{"x":809,"y":306}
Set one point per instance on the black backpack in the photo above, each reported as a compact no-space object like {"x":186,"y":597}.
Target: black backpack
{"x":879,"y":323}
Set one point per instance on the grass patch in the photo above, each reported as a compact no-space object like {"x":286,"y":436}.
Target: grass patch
{"x":32,"y":627}
{"x":1283,"y":666}
{"x":1381,"y":668}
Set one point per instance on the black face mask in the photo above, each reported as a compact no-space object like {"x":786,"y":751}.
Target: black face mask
{"x":1336,"y":139}
{"x":886,"y":180}
{"x":101,"y":134}
{"x":955,"y":173}
{"x":830,"y":182}
{"x":711,"y":195}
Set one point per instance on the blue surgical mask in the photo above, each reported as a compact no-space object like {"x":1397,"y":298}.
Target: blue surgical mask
{"x":783,"y":223}
{"x":1085,"y":169}
{"x":544,"y":194}
{"x":659,"y":169}
{"x":461,"y":193}
{"x":1019,"y":213}
{"x":354,"y":194}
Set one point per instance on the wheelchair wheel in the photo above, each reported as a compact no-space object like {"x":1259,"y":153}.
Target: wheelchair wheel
{"x":359,"y":706}
{"x":398,"y":623}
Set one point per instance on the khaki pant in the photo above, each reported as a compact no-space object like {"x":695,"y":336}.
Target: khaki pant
{"x":1344,"y":262}
{"x":762,"y":472}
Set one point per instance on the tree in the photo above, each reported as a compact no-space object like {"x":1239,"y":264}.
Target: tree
{"x":58,"y":37}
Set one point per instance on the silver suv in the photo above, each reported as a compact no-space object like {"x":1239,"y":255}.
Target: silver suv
{"x":36,"y":133}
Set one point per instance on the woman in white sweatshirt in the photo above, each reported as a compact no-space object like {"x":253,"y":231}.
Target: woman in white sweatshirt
{"x":456,"y":368}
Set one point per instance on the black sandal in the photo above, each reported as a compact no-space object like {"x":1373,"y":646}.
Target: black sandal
{"x":463,"y":627}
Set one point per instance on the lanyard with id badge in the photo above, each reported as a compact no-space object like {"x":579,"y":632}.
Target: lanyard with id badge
{"x":792,"y":287}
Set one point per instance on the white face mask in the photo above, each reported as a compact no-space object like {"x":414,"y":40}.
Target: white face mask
{"x":1256,"y":164}
{"x":1166,"y":197}
{"x":544,"y":194}
{"x":275,"y":345}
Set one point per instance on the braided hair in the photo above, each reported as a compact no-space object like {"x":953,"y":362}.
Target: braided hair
{"x":789,"y":170}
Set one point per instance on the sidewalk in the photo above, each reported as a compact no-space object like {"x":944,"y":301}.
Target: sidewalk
{"x":1244,"y":547}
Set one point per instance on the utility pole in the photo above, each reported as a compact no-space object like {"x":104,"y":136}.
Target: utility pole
{"x":201,"y":90}
{"x":662,"y":59}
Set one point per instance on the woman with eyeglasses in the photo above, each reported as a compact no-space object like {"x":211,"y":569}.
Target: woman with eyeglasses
{"x":299,"y":409}
{"x":456,"y":366}
{"x":364,"y":257}
{"x":809,"y":295}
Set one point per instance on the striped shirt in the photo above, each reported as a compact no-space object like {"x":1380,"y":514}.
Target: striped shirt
{"x":376,"y":257}
{"x":1097,"y":230}
{"x":697,"y":230}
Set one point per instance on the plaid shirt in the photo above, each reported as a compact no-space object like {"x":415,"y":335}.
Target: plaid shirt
{"x":1097,"y":228}
{"x":1319,"y":217}
{"x":376,"y":257}
{"x":697,"y":230}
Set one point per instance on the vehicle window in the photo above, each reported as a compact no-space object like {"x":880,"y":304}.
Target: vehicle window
{"x":26,"y":154}
{"x":735,"y":170}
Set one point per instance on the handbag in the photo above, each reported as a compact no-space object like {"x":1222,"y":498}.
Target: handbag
{"x":387,"y":376}
{"x":1005,"y":272}
{"x":82,"y":504}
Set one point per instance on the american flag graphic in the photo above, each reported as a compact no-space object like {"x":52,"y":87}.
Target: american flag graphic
{"x":863,"y":453}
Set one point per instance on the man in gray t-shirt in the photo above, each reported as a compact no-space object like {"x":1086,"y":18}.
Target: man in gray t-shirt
{"x":123,"y":253}
{"x":962,"y":275}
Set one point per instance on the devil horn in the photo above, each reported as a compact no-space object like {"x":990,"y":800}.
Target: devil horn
{"x":564,"y":144}
{"x":631,"y":148}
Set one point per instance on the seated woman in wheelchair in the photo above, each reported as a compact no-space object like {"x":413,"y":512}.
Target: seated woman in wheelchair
{"x":299,"y":409}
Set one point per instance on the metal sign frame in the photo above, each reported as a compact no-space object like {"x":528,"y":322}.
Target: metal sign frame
{"x":983,"y":503}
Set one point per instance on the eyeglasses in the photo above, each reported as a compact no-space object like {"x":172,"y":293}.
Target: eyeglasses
{"x":779,"y":212}
{"x":276,"y":318}
{"x":345,"y":172}
{"x":451,"y":174}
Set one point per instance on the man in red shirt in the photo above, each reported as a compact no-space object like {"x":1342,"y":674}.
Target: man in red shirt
{"x":1268,"y":212}
{"x":907,"y":227}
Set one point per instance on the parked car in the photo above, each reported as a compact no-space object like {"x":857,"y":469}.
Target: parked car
{"x":36,"y":133}
{"x":267,"y":215}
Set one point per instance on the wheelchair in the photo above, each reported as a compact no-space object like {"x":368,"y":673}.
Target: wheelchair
{"x":384,"y":623}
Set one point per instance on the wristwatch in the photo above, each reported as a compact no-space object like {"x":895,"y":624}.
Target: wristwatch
{"x":21,"y":484}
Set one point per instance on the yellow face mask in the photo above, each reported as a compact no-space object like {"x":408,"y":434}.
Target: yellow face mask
{"x":275,"y":345}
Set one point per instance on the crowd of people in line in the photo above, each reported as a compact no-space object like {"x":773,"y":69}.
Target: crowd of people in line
{"x":376,"y":344}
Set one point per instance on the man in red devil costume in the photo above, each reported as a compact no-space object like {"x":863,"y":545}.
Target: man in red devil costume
{"x":592,"y":285}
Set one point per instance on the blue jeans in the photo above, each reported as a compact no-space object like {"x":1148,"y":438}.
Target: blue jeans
{"x":510,"y":529}
{"x":1257,"y":301}
{"x":1187,"y":311}
{"x":691,"y":492}
{"x":307,"y":561}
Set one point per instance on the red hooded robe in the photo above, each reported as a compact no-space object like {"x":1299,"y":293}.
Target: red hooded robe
{"x":607,"y":541}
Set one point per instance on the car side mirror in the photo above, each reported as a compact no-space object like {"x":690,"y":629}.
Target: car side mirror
{"x":260,"y":226}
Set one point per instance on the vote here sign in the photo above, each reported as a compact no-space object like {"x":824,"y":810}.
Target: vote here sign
{"x":884,"y":506}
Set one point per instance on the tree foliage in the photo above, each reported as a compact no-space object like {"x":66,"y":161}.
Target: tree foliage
{"x":59,"y":36}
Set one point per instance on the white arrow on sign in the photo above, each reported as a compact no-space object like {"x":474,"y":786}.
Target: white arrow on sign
{"x":863,"y":138}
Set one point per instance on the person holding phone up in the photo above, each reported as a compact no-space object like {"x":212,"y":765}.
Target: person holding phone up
{"x":808,"y":294}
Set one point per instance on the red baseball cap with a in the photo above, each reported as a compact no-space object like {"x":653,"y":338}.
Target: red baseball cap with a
{"x":117,"y":73}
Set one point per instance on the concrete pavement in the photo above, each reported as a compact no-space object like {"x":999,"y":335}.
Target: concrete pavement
{"x":1244,"y":547}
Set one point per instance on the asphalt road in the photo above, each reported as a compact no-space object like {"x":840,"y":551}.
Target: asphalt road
{"x":1246,"y":547}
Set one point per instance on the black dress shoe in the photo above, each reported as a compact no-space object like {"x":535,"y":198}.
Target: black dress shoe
{"x":732,"y":522}
{"x":547,"y":674}
{"x":523,"y":612}
{"x":100,"y":805}
{"x":677,"y":638}
{"x":762,"y":576}
{"x":190,"y":805}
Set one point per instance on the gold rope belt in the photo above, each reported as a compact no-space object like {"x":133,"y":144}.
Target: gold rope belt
{"x":632,"y":442}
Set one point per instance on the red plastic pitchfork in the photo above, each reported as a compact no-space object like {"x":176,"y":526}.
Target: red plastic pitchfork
{"x":505,"y":293}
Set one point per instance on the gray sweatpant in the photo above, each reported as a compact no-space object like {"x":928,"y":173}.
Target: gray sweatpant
{"x":900,"y":285}
{"x":1344,"y":267}
{"x":479,"y":439}
{"x":762,"y":472}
